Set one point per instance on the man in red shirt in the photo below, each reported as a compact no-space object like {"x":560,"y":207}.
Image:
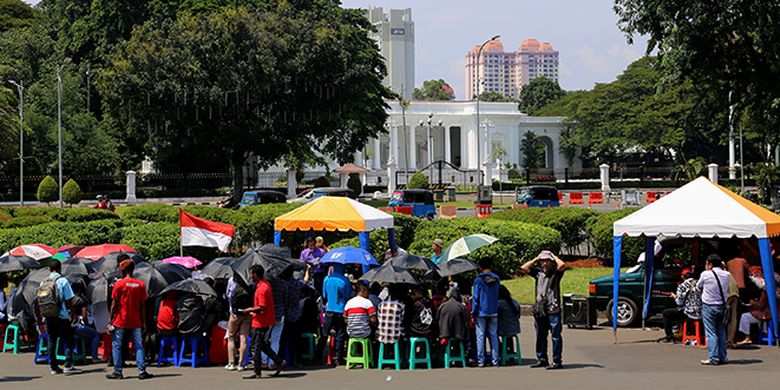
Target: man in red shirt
{"x":262,"y":319}
{"x":128,"y":318}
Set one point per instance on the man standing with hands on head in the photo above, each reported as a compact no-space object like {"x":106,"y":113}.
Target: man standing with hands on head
{"x":547,"y":309}
{"x":128,"y":318}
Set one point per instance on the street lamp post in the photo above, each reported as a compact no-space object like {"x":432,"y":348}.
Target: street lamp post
{"x":59,"y":127}
{"x":20,"y":88}
{"x":479,"y":54}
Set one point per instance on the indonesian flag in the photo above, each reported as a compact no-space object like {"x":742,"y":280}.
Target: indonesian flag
{"x":200,"y":232}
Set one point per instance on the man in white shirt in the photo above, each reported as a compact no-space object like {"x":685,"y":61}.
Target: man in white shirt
{"x":713,"y":284}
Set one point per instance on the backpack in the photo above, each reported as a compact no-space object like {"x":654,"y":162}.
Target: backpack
{"x":241,"y":299}
{"x":48,"y":301}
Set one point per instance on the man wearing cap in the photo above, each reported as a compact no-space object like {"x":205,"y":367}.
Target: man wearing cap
{"x":547,"y":309}
{"x":128,"y":318}
{"x":437,"y":247}
{"x":688,"y":300}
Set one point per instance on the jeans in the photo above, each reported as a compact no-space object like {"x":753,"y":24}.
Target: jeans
{"x":336,"y":322}
{"x":261,"y":345}
{"x":487,"y":326}
{"x":118,"y":339}
{"x":92,"y":339}
{"x":275,"y":337}
{"x":59,"y":329}
{"x":550,"y":324}
{"x":716,"y":332}
{"x":672,"y":316}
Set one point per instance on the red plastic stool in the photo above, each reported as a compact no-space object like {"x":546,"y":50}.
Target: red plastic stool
{"x":697,"y":337}
{"x":331,"y":350}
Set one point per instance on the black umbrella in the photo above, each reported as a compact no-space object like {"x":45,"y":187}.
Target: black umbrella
{"x":24,"y":297}
{"x":77,"y":267}
{"x":16,"y":263}
{"x":219,"y":268}
{"x":97,"y":290}
{"x":388,"y":273}
{"x":284,"y":253}
{"x":109,"y":263}
{"x":193,"y":286}
{"x":456,"y":266}
{"x":273,"y":265}
{"x":409,"y":261}
{"x":158,"y":276}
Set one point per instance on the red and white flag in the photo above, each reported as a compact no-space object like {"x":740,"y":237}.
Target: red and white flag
{"x":200,"y":232}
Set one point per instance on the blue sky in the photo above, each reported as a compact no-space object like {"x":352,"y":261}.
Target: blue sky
{"x":592,"y":49}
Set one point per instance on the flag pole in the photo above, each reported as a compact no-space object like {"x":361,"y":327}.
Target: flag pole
{"x":181,"y":245}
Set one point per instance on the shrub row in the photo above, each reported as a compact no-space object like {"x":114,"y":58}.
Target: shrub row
{"x":599,"y":229}
{"x":29,"y":216}
{"x":518,"y":241}
{"x":569,"y":221}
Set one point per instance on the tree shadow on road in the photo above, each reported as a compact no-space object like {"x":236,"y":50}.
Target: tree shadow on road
{"x":4,"y":379}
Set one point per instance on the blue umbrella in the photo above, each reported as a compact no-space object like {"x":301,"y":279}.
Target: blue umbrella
{"x":349,"y":255}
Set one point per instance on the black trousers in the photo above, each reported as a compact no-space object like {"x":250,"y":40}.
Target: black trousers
{"x":672,"y":316}
{"x":261,"y":343}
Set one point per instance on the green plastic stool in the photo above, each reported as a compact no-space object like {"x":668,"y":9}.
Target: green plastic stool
{"x":413,"y":359}
{"x":449,"y":359}
{"x":309,"y":339}
{"x":365,"y":358}
{"x":13,"y":345}
{"x":511,"y":351}
{"x":78,"y":354}
{"x":396,"y":356}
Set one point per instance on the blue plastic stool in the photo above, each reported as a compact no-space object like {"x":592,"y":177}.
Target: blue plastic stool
{"x":396,"y":359}
{"x":195,"y":343}
{"x":769,"y":331}
{"x":448,"y":356}
{"x":168,"y":344}
{"x":413,"y":359}
{"x":12,"y":345}
{"x":41,"y":348}
{"x":511,"y":351}
{"x":249,"y":356}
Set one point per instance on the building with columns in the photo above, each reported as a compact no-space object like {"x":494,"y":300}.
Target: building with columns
{"x":394,"y":36}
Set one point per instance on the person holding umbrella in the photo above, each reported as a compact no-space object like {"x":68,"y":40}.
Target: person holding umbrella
{"x":547,"y":309}
{"x":437,"y":247}
{"x":54,"y":302}
{"x":262,"y":319}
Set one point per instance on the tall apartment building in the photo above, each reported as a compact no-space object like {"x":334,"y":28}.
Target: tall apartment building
{"x":395,"y":37}
{"x":507,"y":72}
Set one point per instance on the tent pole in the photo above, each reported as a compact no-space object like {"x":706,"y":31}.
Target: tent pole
{"x":649,"y":276}
{"x":769,"y":277}
{"x":617,"y":248}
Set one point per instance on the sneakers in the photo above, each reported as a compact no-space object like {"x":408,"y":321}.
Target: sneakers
{"x":253,"y":376}
{"x":56,"y":372}
{"x":145,"y":375}
{"x":555,"y":366}
{"x":280,"y":368}
{"x":540,"y":364}
{"x":114,"y":375}
{"x":230,"y":367}
{"x":71,"y":370}
{"x":709,"y":362}
{"x":241,"y":368}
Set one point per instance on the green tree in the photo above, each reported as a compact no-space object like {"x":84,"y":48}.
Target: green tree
{"x":71,"y":192}
{"x":354,"y":184}
{"x":283,"y":78}
{"x":48,"y":190}
{"x":539,"y":92}
{"x":492,"y":96}
{"x":433,"y":90}
{"x":15,"y":14}
{"x":419,"y":180}
{"x":532,"y":149}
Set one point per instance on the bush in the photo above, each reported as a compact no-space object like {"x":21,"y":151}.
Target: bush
{"x":155,"y":241}
{"x":321,"y":181}
{"x":599,"y":228}
{"x":48,"y":190}
{"x":25,"y":221}
{"x":569,"y":221}
{"x":354,"y":184}
{"x":518,"y":241}
{"x":404,"y":227}
{"x":149,"y":212}
{"x":418,"y":180}
{"x":71,"y":192}
{"x":82,"y":214}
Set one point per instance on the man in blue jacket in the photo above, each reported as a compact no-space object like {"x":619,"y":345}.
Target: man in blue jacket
{"x":336,"y":291}
{"x":484,"y":309}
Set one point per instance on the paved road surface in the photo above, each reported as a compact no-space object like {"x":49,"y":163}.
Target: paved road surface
{"x":591,"y":362}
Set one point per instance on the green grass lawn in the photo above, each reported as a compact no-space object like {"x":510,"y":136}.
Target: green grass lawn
{"x":575,"y":281}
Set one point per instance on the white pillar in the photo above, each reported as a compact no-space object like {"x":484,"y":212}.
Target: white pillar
{"x":447,"y":142}
{"x":604,"y":168}
{"x":292,"y":183}
{"x":712,"y":172}
{"x":412,"y":148}
{"x":488,"y":178}
{"x":344,"y":177}
{"x":130,"y":187}
{"x":375,"y":163}
{"x":392,"y":155}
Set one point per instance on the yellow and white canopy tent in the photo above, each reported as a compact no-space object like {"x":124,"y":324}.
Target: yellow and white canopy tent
{"x":699,"y":209}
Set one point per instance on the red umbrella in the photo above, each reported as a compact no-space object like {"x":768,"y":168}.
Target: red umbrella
{"x":71,"y":249}
{"x":36,"y":252}
{"x":95,"y":252}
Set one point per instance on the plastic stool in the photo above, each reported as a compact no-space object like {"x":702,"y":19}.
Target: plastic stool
{"x":769,"y":331}
{"x":41,"y":348}
{"x":195,"y":343}
{"x":331,"y":349}
{"x":396,"y":356}
{"x":698,"y":335}
{"x":79,"y":354}
{"x":449,"y":358}
{"x":511,"y":351}
{"x":311,"y":351}
{"x":365,"y":358}
{"x":168,"y":343}
{"x":13,"y":345}
{"x":413,"y":359}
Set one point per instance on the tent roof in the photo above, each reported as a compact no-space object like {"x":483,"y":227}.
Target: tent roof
{"x":333,"y":213}
{"x":701,"y":208}
{"x":351,"y":168}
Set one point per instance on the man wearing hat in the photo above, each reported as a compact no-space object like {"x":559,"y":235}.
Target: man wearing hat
{"x":547,"y":309}
{"x":688,"y":300}
{"x":437,"y":248}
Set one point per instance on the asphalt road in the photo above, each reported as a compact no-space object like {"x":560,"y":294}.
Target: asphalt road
{"x":591,"y":361}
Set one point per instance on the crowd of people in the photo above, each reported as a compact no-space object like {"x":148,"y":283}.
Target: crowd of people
{"x":326,"y":300}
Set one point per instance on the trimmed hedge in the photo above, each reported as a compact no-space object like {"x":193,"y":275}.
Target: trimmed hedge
{"x":61,"y":233}
{"x":31,"y":216}
{"x":599,"y":228}
{"x":569,"y":221}
{"x":518,"y":241}
{"x":25,"y":221}
{"x":156,"y":241}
